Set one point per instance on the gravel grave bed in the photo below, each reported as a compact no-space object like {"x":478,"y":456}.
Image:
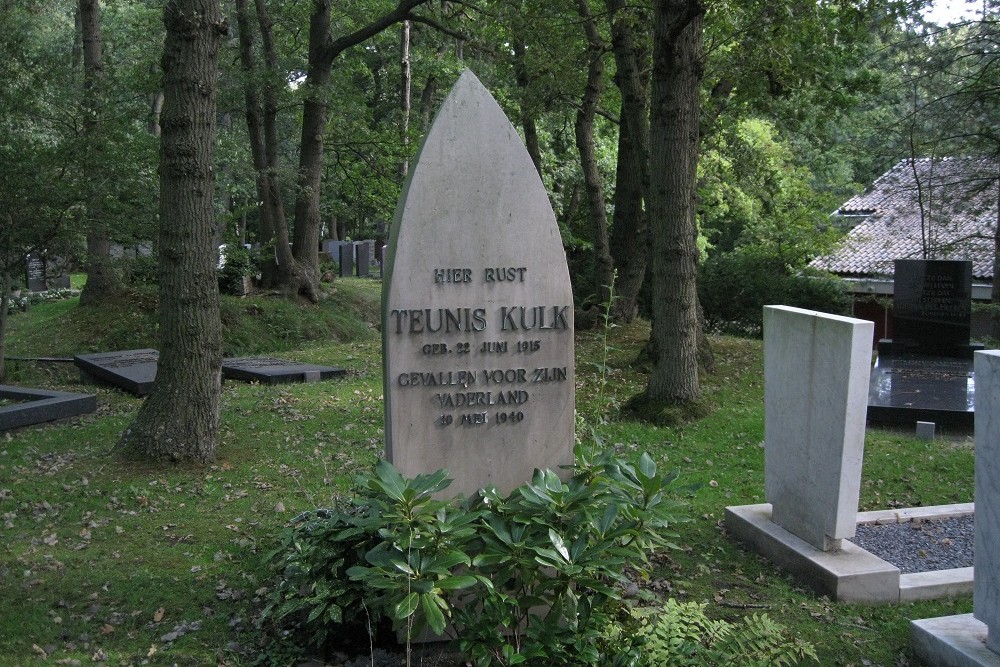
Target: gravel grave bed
{"x":921,"y":546}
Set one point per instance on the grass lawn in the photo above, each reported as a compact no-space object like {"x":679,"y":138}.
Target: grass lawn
{"x":103,"y":559}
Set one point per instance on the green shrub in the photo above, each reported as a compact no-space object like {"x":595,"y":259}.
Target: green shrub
{"x":239,"y":263}
{"x":138,"y":271}
{"x":544,"y":564}
{"x":734,"y":287}
{"x":679,"y":633}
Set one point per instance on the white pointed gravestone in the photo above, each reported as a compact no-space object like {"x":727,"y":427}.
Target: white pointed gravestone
{"x":477,"y":311}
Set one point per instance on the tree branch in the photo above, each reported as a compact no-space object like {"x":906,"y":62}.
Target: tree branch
{"x":439,"y":27}
{"x":335,"y":47}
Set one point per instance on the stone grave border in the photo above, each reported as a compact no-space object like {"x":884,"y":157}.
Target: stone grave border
{"x":808,"y":524}
{"x":307,"y":372}
{"x":92,"y":369}
{"x":851,"y":574}
{"x":42,"y":405}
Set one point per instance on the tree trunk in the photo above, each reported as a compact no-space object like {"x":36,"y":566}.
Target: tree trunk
{"x":323,"y":49}
{"x":288,"y":275}
{"x":527,"y":117}
{"x":629,"y":241}
{"x":305,"y":239}
{"x":677,"y":72}
{"x":5,"y":283}
{"x":268,"y":265}
{"x":604,"y":276}
{"x":405,"y":84}
{"x":102,"y":281}
{"x":179,"y":420}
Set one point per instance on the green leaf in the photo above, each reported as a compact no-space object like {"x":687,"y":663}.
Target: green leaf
{"x":393,"y":484}
{"x":647,"y":466}
{"x":432,"y":612}
{"x":559,"y":544}
{"x":406,"y":606}
{"x":448,"y":560}
{"x":608,"y":519}
{"x":456,"y":583}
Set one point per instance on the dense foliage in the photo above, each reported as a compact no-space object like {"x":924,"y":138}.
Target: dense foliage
{"x":547,"y":563}
{"x":734,"y":288}
{"x":539,"y":577}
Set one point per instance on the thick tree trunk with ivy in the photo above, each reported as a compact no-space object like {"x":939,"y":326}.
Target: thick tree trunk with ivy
{"x":102,"y":281}
{"x":179,"y":420}
{"x":629,"y":241}
{"x":674,"y":117}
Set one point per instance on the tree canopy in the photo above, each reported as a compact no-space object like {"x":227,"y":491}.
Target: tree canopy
{"x":797,"y":105}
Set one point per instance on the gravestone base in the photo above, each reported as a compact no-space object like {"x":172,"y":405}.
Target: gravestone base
{"x":952,"y":641}
{"x":906,"y":389}
{"x":41,"y":405}
{"x":851,"y":574}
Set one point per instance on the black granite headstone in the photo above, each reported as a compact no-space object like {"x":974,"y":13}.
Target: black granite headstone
{"x":346,"y":260}
{"x":131,"y":370}
{"x":44,"y":273}
{"x":34,"y":269}
{"x":932,"y":306}
{"x":330,"y":249}
{"x":364,"y":256}
{"x":34,"y":406}
{"x":267,"y":370}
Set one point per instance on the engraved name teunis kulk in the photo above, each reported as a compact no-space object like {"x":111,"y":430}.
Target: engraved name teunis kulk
{"x":477,"y":309}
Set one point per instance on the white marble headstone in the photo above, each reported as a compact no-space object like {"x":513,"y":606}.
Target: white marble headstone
{"x":816,"y":370}
{"x":986,"y":583}
{"x":477,"y":308}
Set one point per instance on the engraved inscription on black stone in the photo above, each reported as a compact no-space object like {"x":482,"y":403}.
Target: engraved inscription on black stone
{"x":267,"y":370}
{"x":131,"y":370}
{"x":932,"y":305}
{"x":43,"y":273}
{"x":35,"y":406}
{"x":35,"y":272}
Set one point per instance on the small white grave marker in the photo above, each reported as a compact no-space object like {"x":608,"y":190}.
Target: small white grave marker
{"x":816,"y":369}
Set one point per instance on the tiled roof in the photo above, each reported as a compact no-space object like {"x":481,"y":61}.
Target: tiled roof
{"x":959,"y":197}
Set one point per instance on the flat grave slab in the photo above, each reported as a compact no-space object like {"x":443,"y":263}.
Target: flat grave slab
{"x":131,"y":370}
{"x":909,"y":388}
{"x":35,"y":406}
{"x":267,"y":370}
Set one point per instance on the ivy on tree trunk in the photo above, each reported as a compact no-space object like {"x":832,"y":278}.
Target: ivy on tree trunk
{"x":180,"y":418}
